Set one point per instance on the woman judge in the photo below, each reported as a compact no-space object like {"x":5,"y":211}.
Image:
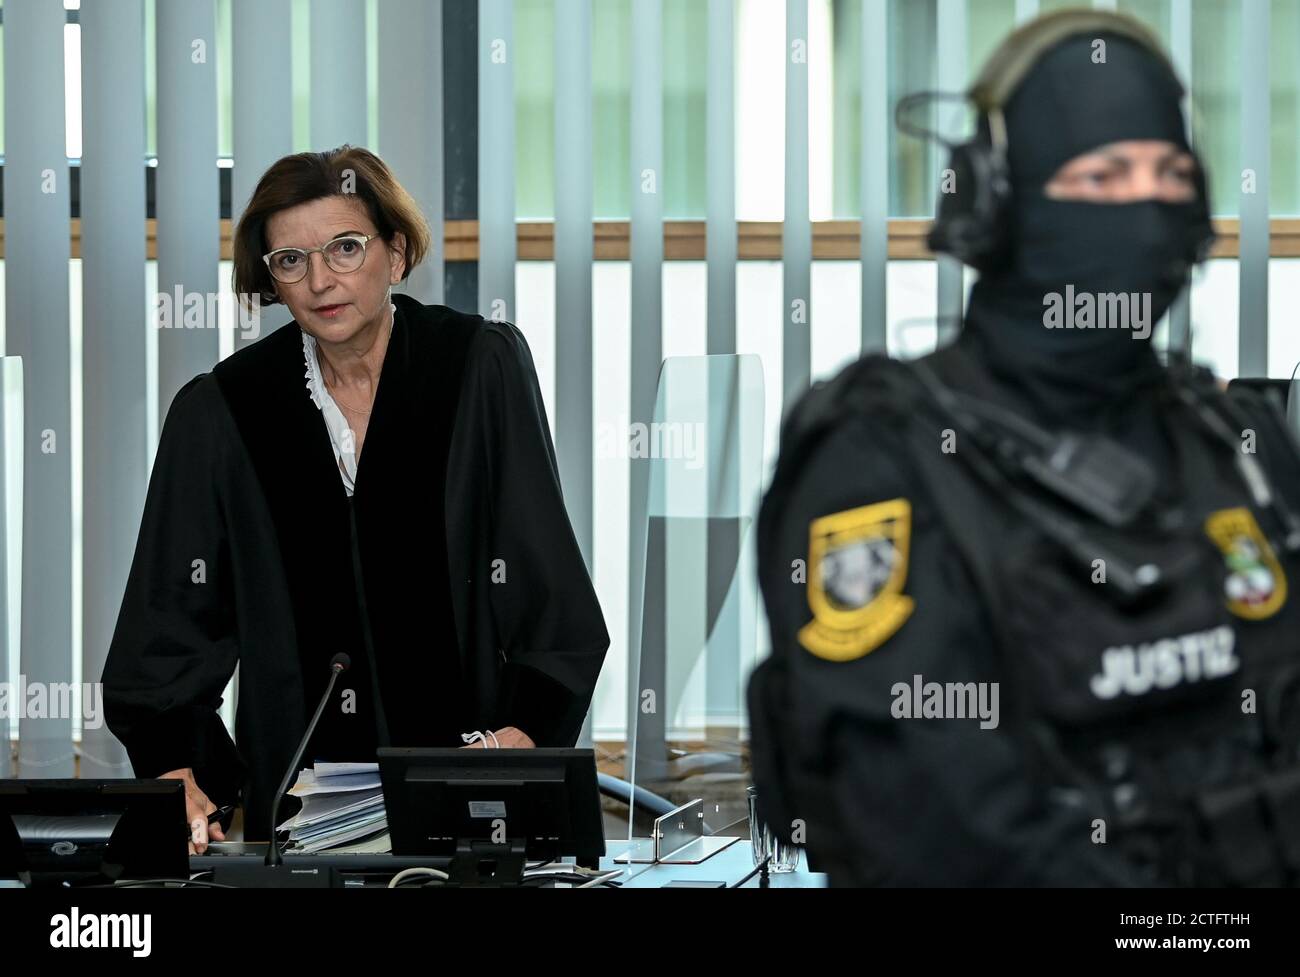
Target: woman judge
{"x":449,"y":574}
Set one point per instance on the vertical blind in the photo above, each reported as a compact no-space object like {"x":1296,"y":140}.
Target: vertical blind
{"x":408,"y":102}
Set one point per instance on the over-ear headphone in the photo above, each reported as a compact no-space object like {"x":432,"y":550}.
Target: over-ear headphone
{"x":972,"y":222}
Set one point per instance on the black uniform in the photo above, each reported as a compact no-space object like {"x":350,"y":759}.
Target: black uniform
{"x":1029,"y":597}
{"x":891,"y":799}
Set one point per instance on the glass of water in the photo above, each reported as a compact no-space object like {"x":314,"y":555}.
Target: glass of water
{"x":784,"y":857}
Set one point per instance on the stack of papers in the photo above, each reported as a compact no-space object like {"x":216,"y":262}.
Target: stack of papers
{"x":342,"y":810}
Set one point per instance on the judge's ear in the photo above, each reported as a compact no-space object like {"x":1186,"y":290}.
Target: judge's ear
{"x":397,"y":255}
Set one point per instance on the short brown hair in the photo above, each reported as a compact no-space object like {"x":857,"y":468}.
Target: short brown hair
{"x":304,"y":177}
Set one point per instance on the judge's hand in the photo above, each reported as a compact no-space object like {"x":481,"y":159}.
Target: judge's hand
{"x":510,"y":738}
{"x":197,"y":809}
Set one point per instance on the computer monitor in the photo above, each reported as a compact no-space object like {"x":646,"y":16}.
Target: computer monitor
{"x":1279,"y":390}
{"x":490,"y":809}
{"x":88,"y":831}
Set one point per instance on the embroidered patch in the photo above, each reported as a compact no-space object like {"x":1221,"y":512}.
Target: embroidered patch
{"x":857,"y":565}
{"x":1255,"y":587}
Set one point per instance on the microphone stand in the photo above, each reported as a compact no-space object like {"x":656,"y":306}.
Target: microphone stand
{"x":338,"y":665}
{"x":272,"y":873}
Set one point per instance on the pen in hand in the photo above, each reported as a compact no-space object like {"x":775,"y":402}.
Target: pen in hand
{"x":213,"y":818}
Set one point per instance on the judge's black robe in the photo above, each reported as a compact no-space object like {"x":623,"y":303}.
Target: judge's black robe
{"x":480,"y":610}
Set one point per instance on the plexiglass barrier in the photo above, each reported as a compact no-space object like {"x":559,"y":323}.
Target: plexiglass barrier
{"x":700,"y":461}
{"x":11,"y":528}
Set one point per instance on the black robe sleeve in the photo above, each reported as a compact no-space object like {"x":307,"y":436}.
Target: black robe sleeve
{"x":175,"y":646}
{"x":545,"y":619}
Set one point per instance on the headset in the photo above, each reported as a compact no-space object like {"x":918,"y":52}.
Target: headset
{"x":972,"y":223}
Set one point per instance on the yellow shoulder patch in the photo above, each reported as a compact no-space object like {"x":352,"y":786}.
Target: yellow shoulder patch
{"x":1255,"y":587}
{"x":857,"y":564}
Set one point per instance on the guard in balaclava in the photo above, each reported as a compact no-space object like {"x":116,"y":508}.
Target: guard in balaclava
{"x":1029,"y":595}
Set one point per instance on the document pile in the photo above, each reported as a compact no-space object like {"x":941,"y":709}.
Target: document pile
{"x":342,"y":810}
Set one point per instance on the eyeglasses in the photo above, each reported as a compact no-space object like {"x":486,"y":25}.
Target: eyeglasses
{"x":343,"y":254}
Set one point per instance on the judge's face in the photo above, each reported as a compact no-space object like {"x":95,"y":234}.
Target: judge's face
{"x":336,"y":307}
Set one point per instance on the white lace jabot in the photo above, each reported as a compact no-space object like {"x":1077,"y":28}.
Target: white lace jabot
{"x":341,"y":437}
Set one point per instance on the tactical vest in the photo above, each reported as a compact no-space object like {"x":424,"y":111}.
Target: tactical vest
{"x":1172,"y":711}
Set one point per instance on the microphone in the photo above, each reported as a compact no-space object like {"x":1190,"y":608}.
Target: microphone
{"x":273,"y":873}
{"x":339,"y":664}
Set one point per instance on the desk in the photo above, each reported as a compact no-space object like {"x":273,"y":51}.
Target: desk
{"x":730,"y":865}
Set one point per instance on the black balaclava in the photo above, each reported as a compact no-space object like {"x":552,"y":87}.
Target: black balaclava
{"x":1067,"y":105}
